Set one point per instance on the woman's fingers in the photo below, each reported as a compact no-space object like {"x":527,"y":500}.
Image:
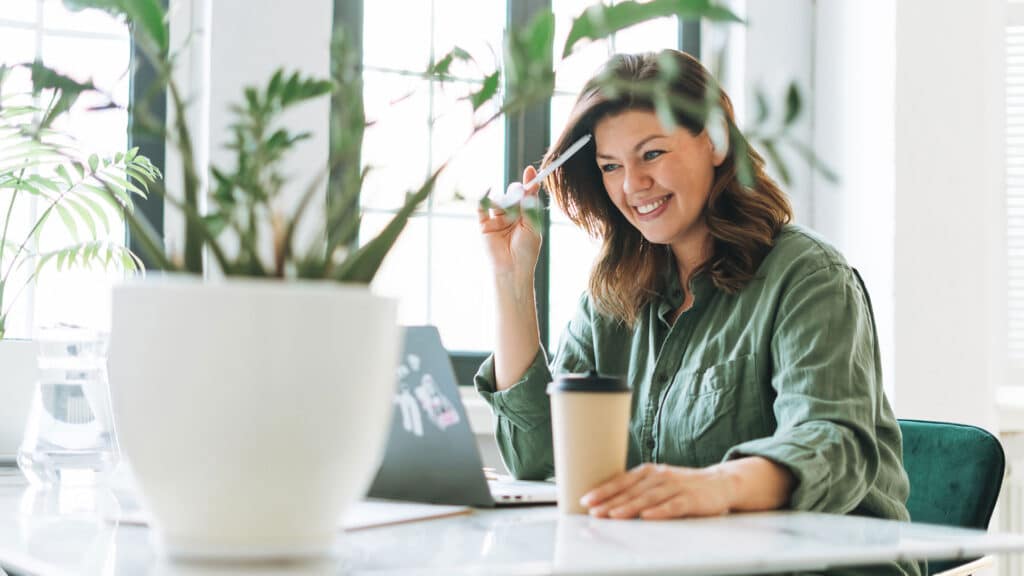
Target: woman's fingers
{"x":647,"y":494}
{"x":615,"y":486}
{"x":675,"y":507}
{"x":654,"y":486}
{"x":529,"y":173}
{"x":640,"y":502}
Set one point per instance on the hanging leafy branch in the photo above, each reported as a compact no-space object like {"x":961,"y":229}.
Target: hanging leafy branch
{"x":245,"y":198}
{"x":42,"y":165}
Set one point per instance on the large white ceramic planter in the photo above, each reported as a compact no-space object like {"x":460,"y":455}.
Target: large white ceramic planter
{"x":18,"y":373}
{"x":252,"y":412}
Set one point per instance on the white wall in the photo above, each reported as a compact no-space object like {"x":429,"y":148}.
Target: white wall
{"x":853,"y":112}
{"x":950,"y":209}
{"x":907,"y":106}
{"x":247,"y":42}
{"x":840,"y":53}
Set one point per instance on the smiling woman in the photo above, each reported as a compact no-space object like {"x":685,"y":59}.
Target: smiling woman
{"x":699,"y":171}
{"x":749,"y":343}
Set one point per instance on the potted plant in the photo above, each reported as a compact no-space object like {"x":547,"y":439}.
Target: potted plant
{"x":288,"y":353}
{"x":73,"y":189}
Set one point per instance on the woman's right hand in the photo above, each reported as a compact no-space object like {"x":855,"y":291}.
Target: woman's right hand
{"x":513,"y":245}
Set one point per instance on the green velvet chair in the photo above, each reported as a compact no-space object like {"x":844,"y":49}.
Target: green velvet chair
{"x":955,"y":473}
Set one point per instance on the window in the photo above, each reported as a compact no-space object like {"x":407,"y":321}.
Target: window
{"x":84,"y":45}
{"x":439,"y":269}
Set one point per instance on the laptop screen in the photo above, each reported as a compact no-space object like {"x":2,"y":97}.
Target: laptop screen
{"x":431,"y":453}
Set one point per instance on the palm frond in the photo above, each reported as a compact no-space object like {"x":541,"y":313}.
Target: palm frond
{"x":89,"y":255}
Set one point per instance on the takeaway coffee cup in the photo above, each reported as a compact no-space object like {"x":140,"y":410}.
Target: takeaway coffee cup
{"x":590,"y":425}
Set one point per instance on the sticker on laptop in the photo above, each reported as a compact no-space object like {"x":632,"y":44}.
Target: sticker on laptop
{"x":424,"y":396}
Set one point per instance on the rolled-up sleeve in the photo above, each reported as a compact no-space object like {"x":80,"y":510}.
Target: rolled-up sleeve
{"x":523,"y":418}
{"x":827,"y":380}
{"x":523,"y":410}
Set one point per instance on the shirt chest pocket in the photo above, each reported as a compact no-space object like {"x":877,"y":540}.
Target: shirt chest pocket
{"x":707,"y":412}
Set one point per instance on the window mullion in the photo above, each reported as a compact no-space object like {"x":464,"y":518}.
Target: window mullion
{"x":527,"y":136}
{"x":152,"y":146}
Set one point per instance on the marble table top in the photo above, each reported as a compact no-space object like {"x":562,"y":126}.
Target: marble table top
{"x":70,"y":532}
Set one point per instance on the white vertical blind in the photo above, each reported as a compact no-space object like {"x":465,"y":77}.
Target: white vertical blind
{"x":1015,"y":186}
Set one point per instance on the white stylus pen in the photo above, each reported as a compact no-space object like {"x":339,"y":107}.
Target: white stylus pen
{"x":516,"y":190}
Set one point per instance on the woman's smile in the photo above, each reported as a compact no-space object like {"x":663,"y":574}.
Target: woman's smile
{"x":649,"y":210}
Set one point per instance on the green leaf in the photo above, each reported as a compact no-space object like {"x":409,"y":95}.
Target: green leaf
{"x":362,"y":265}
{"x":123,"y":201}
{"x":83,"y":214}
{"x":816,"y":163}
{"x":274,"y":87}
{"x":97,"y":209}
{"x":252,"y":99}
{"x":600,"y":21}
{"x":215,"y":223}
{"x":94,"y":163}
{"x":63,"y":173}
{"x":529,"y":60}
{"x":45,"y":183}
{"x":443,"y":66}
{"x":763,"y":108}
{"x":68,"y":90}
{"x":663,"y":109}
{"x":792,"y":104}
{"x":122,"y":183}
{"x":744,"y":165}
{"x":69,"y":220}
{"x":486,"y":92}
{"x":776,"y":159}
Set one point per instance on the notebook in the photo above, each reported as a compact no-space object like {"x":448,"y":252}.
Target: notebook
{"x":431,"y":454}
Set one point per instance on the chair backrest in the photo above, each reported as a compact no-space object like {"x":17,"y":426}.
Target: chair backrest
{"x":955,"y":474}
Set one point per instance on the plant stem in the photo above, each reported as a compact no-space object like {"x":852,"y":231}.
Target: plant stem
{"x":7,"y":217}
{"x":32,"y":232}
{"x":193,"y":244}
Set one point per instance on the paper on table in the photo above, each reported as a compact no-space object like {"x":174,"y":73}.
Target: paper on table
{"x":372,"y":513}
{"x":363,"y":514}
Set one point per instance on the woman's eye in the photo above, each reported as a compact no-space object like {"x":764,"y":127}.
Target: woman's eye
{"x":608,"y":167}
{"x":652,"y":154}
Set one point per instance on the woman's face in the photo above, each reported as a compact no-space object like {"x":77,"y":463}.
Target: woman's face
{"x":659,"y":180}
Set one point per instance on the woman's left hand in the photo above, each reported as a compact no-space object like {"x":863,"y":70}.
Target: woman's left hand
{"x":659,"y":491}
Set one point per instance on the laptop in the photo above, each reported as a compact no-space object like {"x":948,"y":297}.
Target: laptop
{"x":431,"y":454}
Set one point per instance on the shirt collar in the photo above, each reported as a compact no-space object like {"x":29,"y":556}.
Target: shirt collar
{"x":670,"y":298}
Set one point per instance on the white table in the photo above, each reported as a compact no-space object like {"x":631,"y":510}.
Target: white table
{"x":67,"y":533}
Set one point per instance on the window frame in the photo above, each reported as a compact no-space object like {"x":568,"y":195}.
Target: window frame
{"x":143,"y":77}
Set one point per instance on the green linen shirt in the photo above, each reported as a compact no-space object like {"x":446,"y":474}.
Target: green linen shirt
{"x":787,"y":369}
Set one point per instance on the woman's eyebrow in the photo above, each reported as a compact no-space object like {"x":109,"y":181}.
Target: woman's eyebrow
{"x":638,"y":146}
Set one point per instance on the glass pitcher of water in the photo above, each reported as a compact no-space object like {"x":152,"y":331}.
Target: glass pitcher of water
{"x":69,"y":436}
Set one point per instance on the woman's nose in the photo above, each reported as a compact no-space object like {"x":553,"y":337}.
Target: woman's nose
{"x":636,"y":180}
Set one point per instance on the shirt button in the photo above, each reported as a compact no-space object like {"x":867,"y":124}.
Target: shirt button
{"x":650,"y":443}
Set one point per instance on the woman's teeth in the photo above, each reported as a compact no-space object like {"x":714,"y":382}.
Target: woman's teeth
{"x":648,"y":208}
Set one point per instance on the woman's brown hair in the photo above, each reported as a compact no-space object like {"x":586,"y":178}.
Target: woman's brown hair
{"x":743,"y":221}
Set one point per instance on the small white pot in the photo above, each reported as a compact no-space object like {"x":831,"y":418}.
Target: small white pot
{"x":252,"y":411}
{"x":18,"y":373}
